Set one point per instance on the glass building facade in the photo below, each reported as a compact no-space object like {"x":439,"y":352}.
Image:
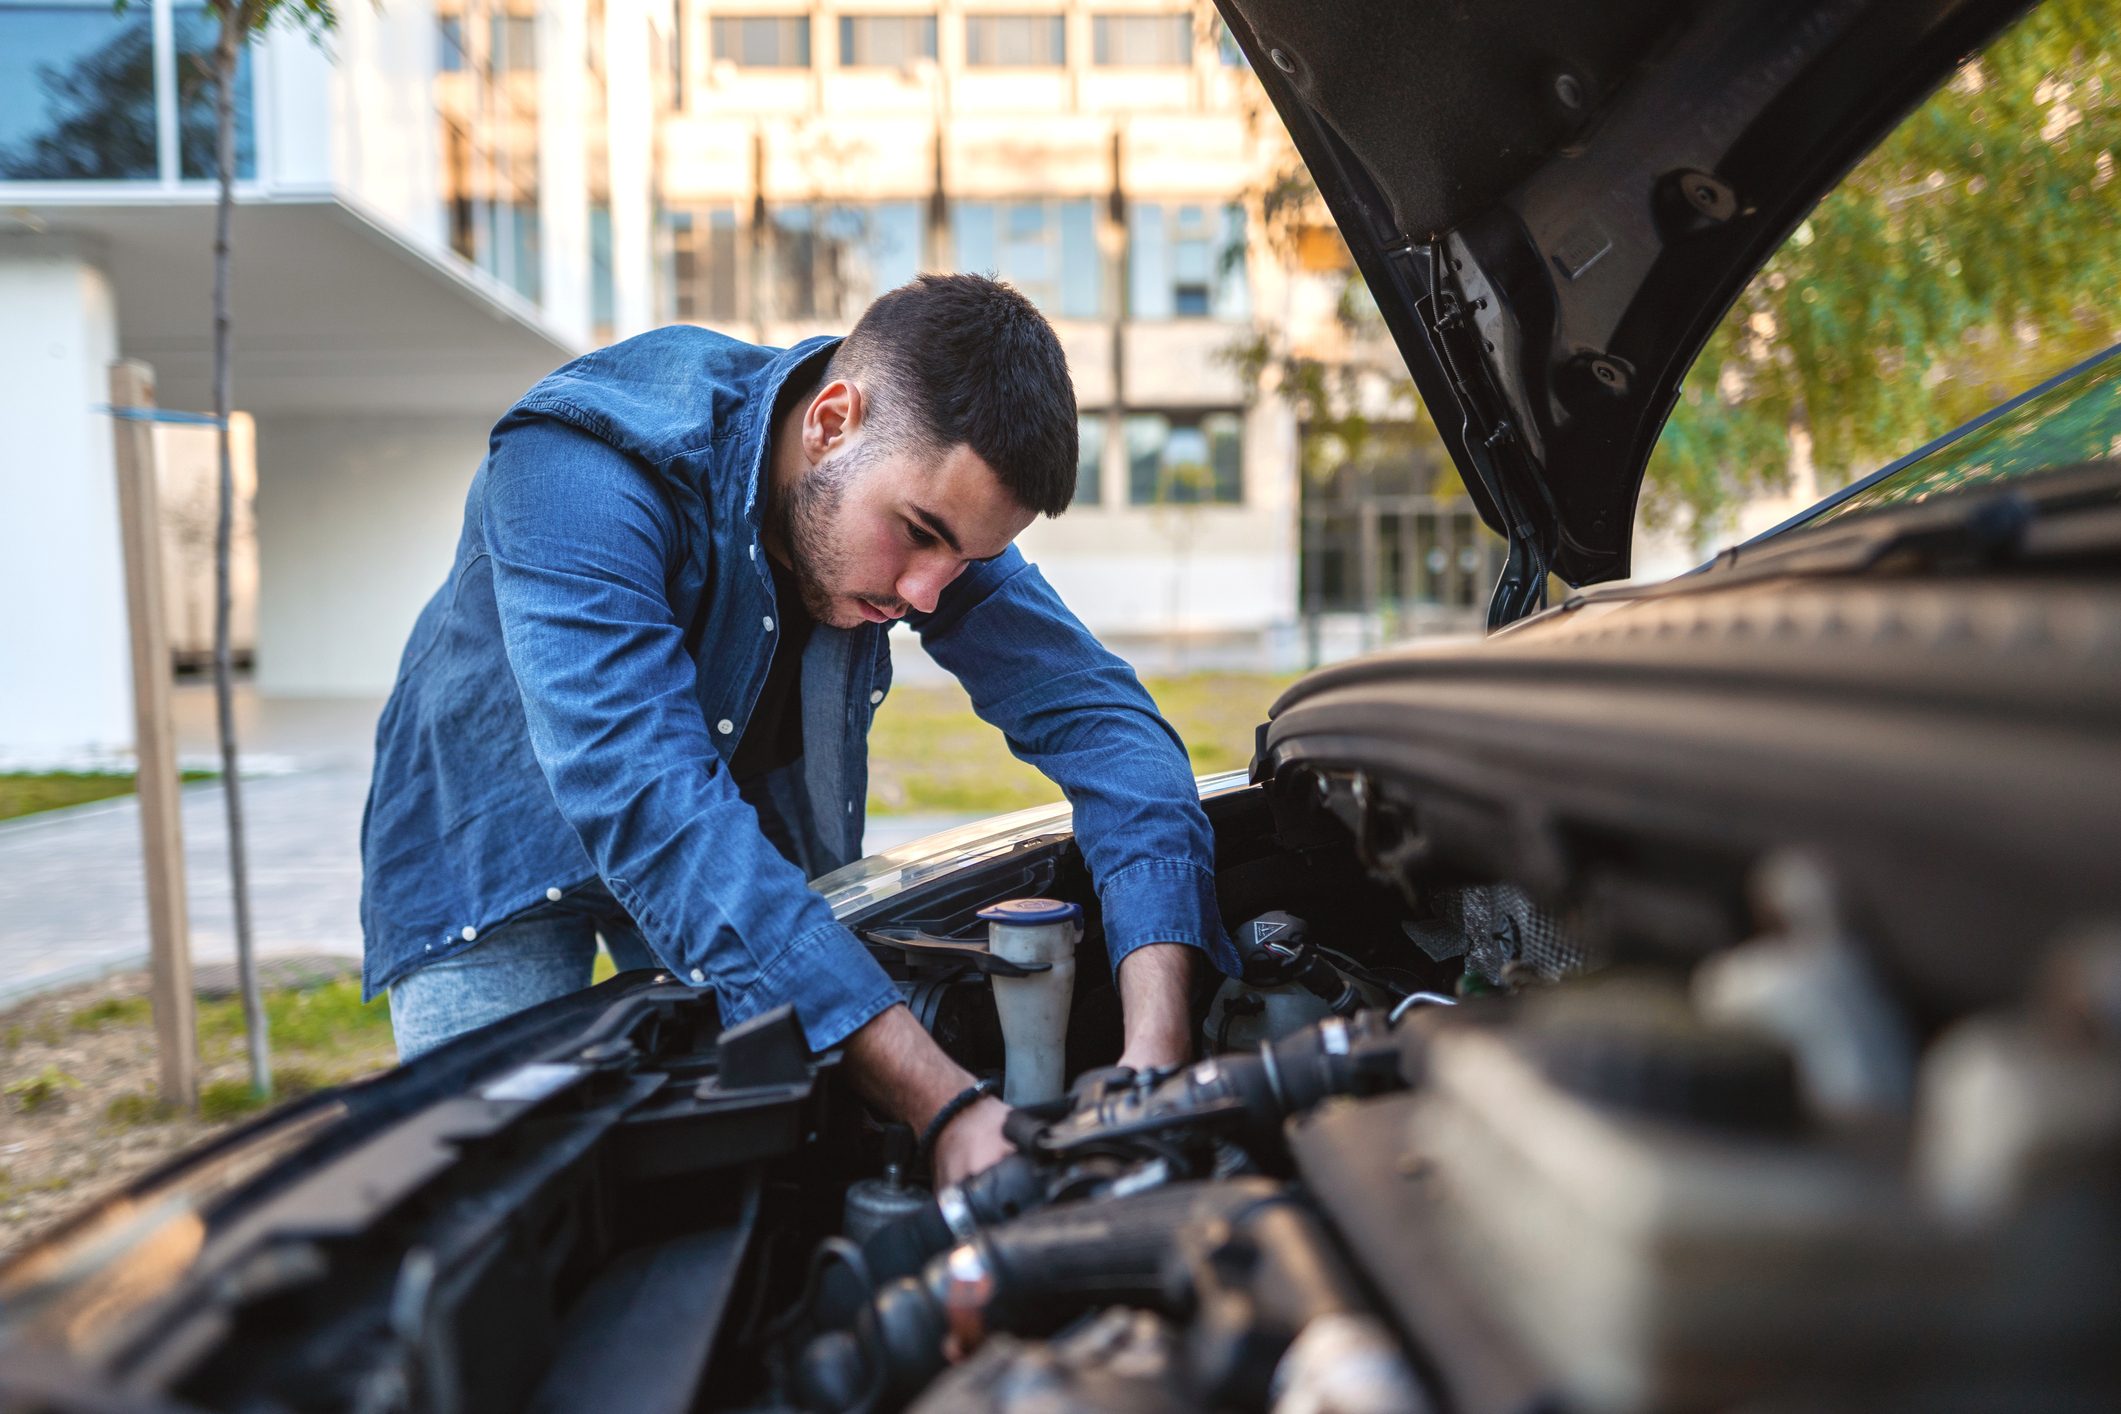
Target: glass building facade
{"x":83,"y":90}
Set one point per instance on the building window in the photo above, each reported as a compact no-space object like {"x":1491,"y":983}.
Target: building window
{"x":699,"y":254}
{"x":830,"y":261}
{"x":1141,"y":41}
{"x":1045,"y":247}
{"x":450,"y":55}
{"x":1227,"y":50}
{"x":1089,"y":458}
{"x":603,"y":274}
{"x":515,"y":44}
{"x":762,"y":41}
{"x":1015,"y":41}
{"x":1184,"y":458}
{"x":77,"y":92}
{"x":1186,"y":260}
{"x":196,"y":31}
{"x":885,"y":41}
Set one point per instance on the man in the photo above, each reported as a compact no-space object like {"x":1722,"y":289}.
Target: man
{"x":638,"y":707}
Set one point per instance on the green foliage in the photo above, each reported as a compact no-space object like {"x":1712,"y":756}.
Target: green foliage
{"x":27,"y":792}
{"x":112,"y":1011}
{"x":929,"y":753}
{"x":325,"y":1021}
{"x":44,"y":1090}
{"x":232,"y":1099}
{"x":132,"y":1109}
{"x":1971,"y":254}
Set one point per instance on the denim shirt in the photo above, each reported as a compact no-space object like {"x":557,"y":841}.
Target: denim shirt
{"x":569,"y":699}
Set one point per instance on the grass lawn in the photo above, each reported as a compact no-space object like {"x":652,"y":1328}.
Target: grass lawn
{"x":929,"y":753}
{"x":26,"y":792}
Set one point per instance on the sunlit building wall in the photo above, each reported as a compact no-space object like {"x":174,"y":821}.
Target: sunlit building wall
{"x":1098,"y":157}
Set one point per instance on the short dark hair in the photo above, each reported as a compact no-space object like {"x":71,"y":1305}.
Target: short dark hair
{"x":961,"y":359}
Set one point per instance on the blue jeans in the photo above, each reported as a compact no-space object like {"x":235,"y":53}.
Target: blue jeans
{"x":534,"y":957}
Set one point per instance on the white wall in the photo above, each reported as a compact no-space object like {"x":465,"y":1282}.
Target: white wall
{"x":357,"y":521}
{"x":65,"y":674}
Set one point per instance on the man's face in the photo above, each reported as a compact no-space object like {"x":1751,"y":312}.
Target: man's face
{"x":873,"y":531}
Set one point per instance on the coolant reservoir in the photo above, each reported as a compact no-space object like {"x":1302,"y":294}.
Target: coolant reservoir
{"x":1034,"y":933}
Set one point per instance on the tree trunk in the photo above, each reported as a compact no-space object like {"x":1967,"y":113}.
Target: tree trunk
{"x":234,"y":34}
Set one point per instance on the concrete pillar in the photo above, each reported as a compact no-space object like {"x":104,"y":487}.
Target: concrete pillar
{"x":65,"y":683}
{"x":357,"y":524}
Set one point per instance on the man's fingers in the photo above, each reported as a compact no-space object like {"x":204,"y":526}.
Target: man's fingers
{"x":971,"y":1142}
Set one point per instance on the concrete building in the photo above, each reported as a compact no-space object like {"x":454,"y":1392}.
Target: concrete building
{"x":438,"y":204}
{"x":447,"y":198}
{"x":1098,"y":156}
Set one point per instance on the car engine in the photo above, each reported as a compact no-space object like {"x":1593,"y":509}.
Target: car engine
{"x":1447,"y":1147}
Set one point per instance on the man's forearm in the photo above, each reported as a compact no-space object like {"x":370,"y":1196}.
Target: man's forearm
{"x":900,"y":1070}
{"x":1155,"y":998}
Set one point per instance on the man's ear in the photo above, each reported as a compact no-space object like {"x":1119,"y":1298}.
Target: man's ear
{"x":834,"y":415}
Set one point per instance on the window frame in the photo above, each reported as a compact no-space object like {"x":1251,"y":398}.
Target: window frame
{"x":795,"y":24}
{"x":1186,"y":419}
{"x":1057,"y":20}
{"x":928,"y":48}
{"x":1106,"y":26}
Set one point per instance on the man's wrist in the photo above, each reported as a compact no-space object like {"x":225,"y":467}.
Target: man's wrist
{"x":897,"y":1067}
{"x":1155,"y":988}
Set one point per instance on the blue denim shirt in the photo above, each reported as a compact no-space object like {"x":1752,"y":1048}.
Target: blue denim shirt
{"x":569,"y":699}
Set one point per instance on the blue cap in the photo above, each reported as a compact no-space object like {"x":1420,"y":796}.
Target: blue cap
{"x":1030,"y":912}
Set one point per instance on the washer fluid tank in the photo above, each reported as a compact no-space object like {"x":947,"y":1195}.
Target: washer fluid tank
{"x":1041,"y":934}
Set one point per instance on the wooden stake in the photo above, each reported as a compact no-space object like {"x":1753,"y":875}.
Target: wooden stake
{"x":132,"y":391}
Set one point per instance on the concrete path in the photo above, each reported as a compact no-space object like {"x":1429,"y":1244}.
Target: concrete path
{"x":71,"y":902}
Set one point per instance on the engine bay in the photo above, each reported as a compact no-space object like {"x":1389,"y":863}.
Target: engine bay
{"x":1445,"y":1148}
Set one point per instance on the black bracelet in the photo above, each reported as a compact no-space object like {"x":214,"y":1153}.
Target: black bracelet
{"x":963,"y":1100}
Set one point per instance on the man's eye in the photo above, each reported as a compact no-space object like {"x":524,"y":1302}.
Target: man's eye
{"x":920,"y":538}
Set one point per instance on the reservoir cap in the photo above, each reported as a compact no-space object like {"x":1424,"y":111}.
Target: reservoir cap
{"x":1030,"y":912}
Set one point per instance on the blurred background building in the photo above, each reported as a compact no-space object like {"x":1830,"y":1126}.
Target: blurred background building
{"x":447,"y":198}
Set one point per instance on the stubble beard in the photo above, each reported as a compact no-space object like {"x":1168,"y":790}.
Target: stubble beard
{"x":811,"y":512}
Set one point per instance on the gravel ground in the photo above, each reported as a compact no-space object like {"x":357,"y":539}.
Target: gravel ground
{"x":78,"y":1116}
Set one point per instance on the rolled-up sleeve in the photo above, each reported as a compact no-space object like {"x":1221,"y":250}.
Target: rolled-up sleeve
{"x":582,"y":539}
{"x":1077,"y":712}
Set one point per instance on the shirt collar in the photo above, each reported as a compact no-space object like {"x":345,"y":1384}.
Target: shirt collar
{"x":758,"y":431}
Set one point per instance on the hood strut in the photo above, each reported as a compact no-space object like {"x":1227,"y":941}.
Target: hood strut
{"x":1490,"y":437}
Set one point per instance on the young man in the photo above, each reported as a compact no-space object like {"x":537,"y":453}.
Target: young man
{"x":639,"y":705}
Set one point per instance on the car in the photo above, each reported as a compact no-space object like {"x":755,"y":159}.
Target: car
{"x":1695,"y":995}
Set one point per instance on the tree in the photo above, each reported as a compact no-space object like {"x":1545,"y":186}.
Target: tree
{"x":1971,"y":254}
{"x":238,"y":22}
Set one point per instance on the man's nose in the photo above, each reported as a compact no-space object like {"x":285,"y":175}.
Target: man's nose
{"x":925,"y":579}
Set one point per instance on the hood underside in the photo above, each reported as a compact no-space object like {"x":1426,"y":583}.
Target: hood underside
{"x":1554,"y":204}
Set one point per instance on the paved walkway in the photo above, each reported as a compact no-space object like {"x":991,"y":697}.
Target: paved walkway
{"x":71,"y":902}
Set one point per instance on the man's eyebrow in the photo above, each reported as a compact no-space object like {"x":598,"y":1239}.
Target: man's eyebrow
{"x":939,"y":528}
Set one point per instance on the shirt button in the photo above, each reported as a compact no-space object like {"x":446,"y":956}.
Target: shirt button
{"x":698,"y":976}
{"x":850,"y":807}
{"x":769,"y":623}
{"x":876,"y":697}
{"x":469,"y":933}
{"x":725,"y":726}
{"x":754,"y":549}
{"x":553,"y":894}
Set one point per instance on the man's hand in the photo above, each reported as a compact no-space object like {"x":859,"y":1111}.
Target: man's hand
{"x":1153,"y":997}
{"x":900,"y":1070}
{"x":971,"y":1142}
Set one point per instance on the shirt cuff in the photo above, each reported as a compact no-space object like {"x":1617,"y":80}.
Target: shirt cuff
{"x":1165,"y":901}
{"x":836,"y":987}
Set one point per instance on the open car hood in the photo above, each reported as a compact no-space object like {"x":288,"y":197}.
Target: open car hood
{"x":1553,"y":205}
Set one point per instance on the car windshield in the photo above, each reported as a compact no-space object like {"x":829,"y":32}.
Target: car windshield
{"x":2074,"y":421}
